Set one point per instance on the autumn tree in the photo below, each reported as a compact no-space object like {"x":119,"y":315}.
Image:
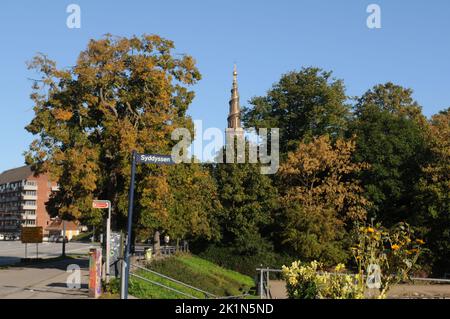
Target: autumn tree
{"x":434,"y":193}
{"x":301,"y":104}
{"x":321,"y":199}
{"x":122,"y":94}
{"x":391,"y":137}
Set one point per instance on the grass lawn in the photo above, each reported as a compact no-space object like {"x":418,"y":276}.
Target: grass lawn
{"x":193,"y":271}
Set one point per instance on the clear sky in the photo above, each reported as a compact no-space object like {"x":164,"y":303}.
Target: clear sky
{"x":264,"y":38}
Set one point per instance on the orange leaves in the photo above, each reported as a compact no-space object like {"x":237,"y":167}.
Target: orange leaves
{"x":317,"y":174}
{"x":62,"y":115}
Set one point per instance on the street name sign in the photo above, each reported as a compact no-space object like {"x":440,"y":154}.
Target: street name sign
{"x":100,"y":204}
{"x":32,"y":235}
{"x":154,"y":159}
{"x":136,"y":158}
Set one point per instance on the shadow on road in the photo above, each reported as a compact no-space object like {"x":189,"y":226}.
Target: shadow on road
{"x":51,"y":263}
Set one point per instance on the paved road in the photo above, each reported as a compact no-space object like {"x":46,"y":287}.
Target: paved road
{"x":12,"y":251}
{"x":44,"y":280}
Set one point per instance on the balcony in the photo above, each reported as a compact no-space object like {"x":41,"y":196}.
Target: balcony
{"x":29,"y":187}
{"x":28,"y":217}
{"x":28,"y":206}
{"x":29,"y":197}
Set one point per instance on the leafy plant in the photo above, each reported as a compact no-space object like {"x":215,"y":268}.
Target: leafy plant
{"x":309,"y":282}
{"x":394,"y":251}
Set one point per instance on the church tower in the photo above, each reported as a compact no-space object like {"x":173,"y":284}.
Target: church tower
{"x":234,"y":116}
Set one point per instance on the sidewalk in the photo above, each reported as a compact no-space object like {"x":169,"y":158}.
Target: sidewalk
{"x":44,"y":280}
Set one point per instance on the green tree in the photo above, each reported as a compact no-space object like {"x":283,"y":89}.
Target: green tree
{"x":122,"y":94}
{"x":248,"y":200}
{"x":184,"y":205}
{"x":391,"y":137}
{"x":302,"y":104}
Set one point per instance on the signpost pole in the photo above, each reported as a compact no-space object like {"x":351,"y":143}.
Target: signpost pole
{"x":126,"y":262}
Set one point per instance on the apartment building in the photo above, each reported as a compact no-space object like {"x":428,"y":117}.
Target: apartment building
{"x":22,"y":199}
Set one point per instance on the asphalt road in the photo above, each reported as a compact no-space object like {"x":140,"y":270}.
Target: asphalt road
{"x":12,"y":251}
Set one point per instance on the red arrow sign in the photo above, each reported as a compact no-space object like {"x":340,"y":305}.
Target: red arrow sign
{"x":101,"y":204}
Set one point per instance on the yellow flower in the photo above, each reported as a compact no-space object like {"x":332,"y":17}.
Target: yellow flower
{"x":395,"y":247}
{"x":370,"y":230}
{"x":420,"y":241}
{"x":339,"y":267}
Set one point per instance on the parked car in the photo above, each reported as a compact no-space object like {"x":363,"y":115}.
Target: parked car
{"x":45,"y":239}
{"x":2,"y":237}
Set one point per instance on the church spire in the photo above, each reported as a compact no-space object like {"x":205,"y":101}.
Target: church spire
{"x":234,"y":116}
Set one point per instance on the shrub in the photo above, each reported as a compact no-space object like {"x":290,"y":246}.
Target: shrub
{"x":307,"y":282}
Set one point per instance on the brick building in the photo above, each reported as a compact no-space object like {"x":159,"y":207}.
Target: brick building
{"x":22,"y":199}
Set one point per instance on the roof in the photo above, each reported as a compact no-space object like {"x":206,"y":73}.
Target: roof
{"x":57,"y":225}
{"x":16,"y":174}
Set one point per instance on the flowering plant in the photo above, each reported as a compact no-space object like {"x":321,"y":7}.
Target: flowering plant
{"x":383,"y":257}
{"x":310,"y":282}
{"x":394,"y":252}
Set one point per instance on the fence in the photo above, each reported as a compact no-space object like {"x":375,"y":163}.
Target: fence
{"x":164,"y":251}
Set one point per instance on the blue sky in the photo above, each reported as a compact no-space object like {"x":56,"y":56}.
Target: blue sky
{"x":264,"y":38}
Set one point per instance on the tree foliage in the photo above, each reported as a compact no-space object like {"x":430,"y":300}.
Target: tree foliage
{"x":434,"y":192}
{"x":302,"y":104}
{"x":390,"y":130}
{"x":320,"y":197}
{"x":122,"y":94}
{"x":248,"y":200}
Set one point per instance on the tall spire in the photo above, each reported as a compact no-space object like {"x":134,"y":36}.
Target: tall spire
{"x":234,"y":116}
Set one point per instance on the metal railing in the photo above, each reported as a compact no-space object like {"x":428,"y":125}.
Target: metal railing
{"x":205,"y":293}
{"x":263,"y":282}
{"x":164,"y":251}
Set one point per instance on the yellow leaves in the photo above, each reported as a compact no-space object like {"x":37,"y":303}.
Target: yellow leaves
{"x":395,"y":247}
{"x":62,"y":115}
{"x":314,"y":175}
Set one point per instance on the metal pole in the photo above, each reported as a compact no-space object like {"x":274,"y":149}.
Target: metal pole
{"x":261,"y":284}
{"x":64,"y":239}
{"x":130,"y":222}
{"x":122,"y":271}
{"x":108,"y":239}
{"x":37,"y":251}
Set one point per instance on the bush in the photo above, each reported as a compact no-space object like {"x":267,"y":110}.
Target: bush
{"x":306,"y":282}
{"x":228,"y":257}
